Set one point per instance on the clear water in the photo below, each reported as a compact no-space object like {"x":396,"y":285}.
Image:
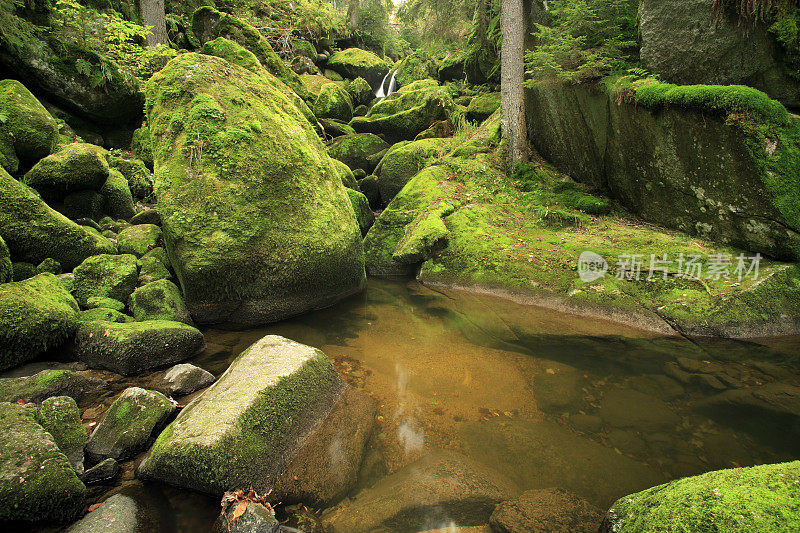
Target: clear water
{"x":523,"y":390}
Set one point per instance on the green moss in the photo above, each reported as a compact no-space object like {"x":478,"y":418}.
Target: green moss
{"x":35,"y":315}
{"x":761,"y":498}
{"x":118,"y":197}
{"x":304,"y":48}
{"x":355,"y":63}
{"x":232,"y":52}
{"x":104,"y":314}
{"x":333,"y":102}
{"x":29,"y":129}
{"x":140,"y":145}
{"x":139,"y":239}
{"x":159,"y":300}
{"x":417,"y":66}
{"x":59,"y":416}
{"x":360,"y":91}
{"x":363,"y":213}
{"x":314,"y":83}
{"x":139,"y":178}
{"x":98,"y":302}
{"x":348,"y":179}
{"x":6,"y":270}
{"x":105,"y":276}
{"x":403,"y":161}
{"x":76,"y":167}
{"x":483,"y":106}
{"x":355,"y":151}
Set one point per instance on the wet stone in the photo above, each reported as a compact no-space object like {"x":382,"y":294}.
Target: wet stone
{"x":105,"y":470}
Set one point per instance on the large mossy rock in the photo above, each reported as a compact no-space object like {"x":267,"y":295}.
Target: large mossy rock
{"x":252,"y":239}
{"x":355,"y":63}
{"x":403,"y":162}
{"x":28,"y":131}
{"x":128,"y":424}
{"x":362,"y":150}
{"x":403,"y":115}
{"x":35,"y":315}
{"x":133,"y":347}
{"x":76,"y":167}
{"x":139,"y":178}
{"x":159,"y":300}
{"x":682,"y":44}
{"x":47,"y":383}
{"x":760,"y":498}
{"x":333,"y":102}
{"x":37,"y":482}
{"x":105,"y":276}
{"x":269,"y":422}
{"x":33,"y":231}
{"x":139,"y":239}
{"x":483,"y":106}
{"x":6,"y":269}
{"x":209,"y":24}
{"x":440,"y":488}
{"x":679,"y":156}
{"x":117,"y":196}
{"x":59,"y":416}
{"x":360,"y":91}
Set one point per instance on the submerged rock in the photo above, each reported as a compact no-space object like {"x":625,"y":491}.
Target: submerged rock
{"x":129,"y":424}
{"x":440,"y":488}
{"x":120,"y":513}
{"x":185,"y":379}
{"x":546,"y":511}
{"x":35,"y":315}
{"x":234,"y":264}
{"x":48,"y":383}
{"x":761,"y":498}
{"x":59,"y":416}
{"x":33,"y":231}
{"x":133,"y":347}
{"x":278,"y":410}
{"x":626,"y":408}
{"x":37,"y":482}
{"x":159,"y":300}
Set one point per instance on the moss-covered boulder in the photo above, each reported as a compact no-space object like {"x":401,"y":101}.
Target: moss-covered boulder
{"x":234,"y":263}
{"x":360,"y":91}
{"x":33,"y":231}
{"x":101,"y":302}
{"x":47,"y":383}
{"x":29,"y":130}
{"x":272,"y":402}
{"x":105,"y":314}
{"x":355,"y":63}
{"x":359,"y":150}
{"x":209,"y":24}
{"x":59,"y":416}
{"x":35,"y":315}
{"x":315,"y":82}
{"x":451,"y":68}
{"x":364,"y":214}
{"x":76,"y":167}
{"x":139,"y":239}
{"x":139,"y":178}
{"x":118,"y":200}
{"x":159,"y":300}
{"x":408,"y":112}
{"x":333,"y":102}
{"x":128,"y":424}
{"x":105,"y":276}
{"x":37,"y":482}
{"x":140,"y":145}
{"x":83,"y":205}
{"x":403,"y":162}
{"x":760,"y":498}
{"x":6,"y":269}
{"x":483,"y":106}
{"x":133,"y":347}
{"x":347,"y":176}
{"x":335,"y":128}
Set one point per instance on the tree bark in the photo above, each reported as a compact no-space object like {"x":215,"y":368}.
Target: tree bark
{"x":353,"y":12}
{"x":512,"y":76}
{"x":152,"y":12}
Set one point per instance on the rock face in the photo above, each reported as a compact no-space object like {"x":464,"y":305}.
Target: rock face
{"x":60,"y":417}
{"x":235,"y":264}
{"x":35,"y":315}
{"x":29,"y":131}
{"x":133,"y":347}
{"x":128,"y":424}
{"x":682,"y":45}
{"x":355,"y":63}
{"x":33,"y":231}
{"x":761,"y":498}
{"x":260,"y":417}
{"x":546,"y":511}
{"x":677,"y":166}
{"x":37,"y":483}
{"x":440,"y":488}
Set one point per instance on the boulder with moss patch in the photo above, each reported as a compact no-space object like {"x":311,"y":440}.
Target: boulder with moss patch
{"x":139,"y":239}
{"x":133,"y":347}
{"x":154,"y":266}
{"x":364,"y":214}
{"x":234,"y":264}
{"x":140,"y":145}
{"x":37,"y":482}
{"x":47,"y":383}
{"x":59,"y":416}
{"x":29,"y":130}
{"x":105,"y":314}
{"x":355,"y":63}
{"x":358,"y":151}
{"x":125,"y":429}
{"x":76,"y":167}
{"x":33,"y":231}
{"x":35,"y":315}
{"x":403,"y":162}
{"x":139,"y":178}
{"x":333,"y":102}
{"x":760,"y":498}
{"x":159,"y":300}
{"x":360,"y":91}
{"x":6,"y":269}
{"x":117,"y":195}
{"x":268,"y":423}
{"x":185,"y":379}
{"x":105,"y":276}
{"x":483,"y":106}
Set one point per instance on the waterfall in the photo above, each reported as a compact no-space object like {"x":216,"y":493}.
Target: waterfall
{"x":380,"y":93}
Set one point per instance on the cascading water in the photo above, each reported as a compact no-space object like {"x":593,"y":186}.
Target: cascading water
{"x":381,"y":93}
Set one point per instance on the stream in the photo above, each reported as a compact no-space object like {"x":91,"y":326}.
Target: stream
{"x":546,"y":398}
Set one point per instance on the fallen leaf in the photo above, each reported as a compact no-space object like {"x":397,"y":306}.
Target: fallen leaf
{"x":239,"y":511}
{"x":95,"y":506}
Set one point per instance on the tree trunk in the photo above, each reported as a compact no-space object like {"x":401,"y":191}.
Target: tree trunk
{"x":353,"y":12}
{"x":152,"y":12}
{"x":512,"y":76}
